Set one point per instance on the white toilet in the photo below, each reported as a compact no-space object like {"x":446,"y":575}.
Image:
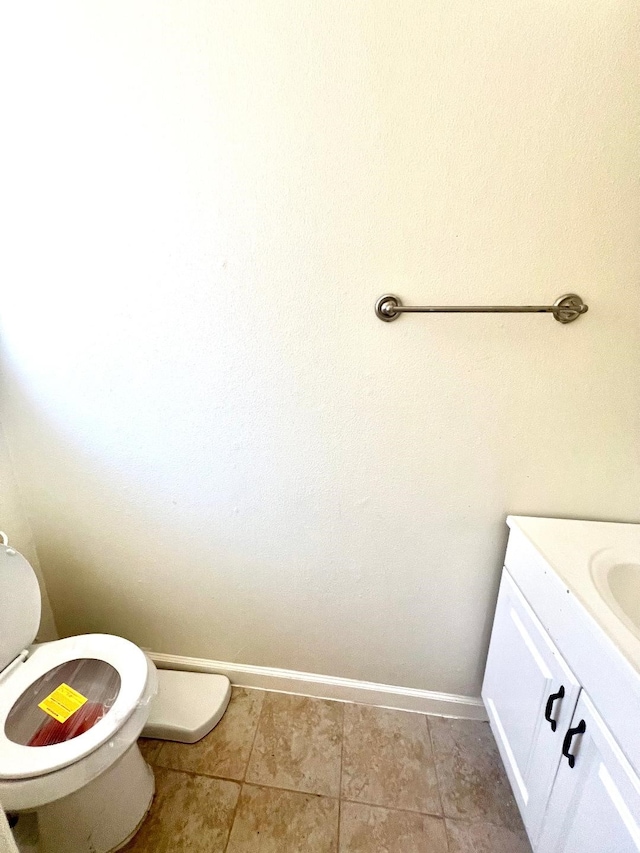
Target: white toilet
{"x":70,"y":715}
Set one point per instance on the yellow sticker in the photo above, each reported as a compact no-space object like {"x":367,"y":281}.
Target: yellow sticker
{"x":62,"y":703}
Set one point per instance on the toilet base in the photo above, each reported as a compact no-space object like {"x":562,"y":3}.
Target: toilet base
{"x":102,"y":816}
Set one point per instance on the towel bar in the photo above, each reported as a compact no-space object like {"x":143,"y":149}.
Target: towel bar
{"x":565,"y":309}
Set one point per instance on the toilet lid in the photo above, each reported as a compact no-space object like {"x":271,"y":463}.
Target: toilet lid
{"x":19,"y":605}
{"x":32,"y":690}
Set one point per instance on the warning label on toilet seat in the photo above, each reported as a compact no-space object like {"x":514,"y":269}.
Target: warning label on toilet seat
{"x":62,"y":703}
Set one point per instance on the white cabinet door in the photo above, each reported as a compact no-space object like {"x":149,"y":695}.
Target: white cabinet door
{"x":595,"y":805}
{"x":524,"y":673}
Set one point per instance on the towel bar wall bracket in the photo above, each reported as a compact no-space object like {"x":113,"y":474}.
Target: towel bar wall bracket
{"x":565,"y":309}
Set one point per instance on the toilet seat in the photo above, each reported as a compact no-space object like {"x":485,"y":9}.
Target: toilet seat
{"x":22,"y":762}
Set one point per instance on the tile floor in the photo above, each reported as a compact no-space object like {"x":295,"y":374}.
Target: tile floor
{"x":287,"y":774}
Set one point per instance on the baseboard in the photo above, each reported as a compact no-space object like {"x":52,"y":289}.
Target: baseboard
{"x":331,"y":687}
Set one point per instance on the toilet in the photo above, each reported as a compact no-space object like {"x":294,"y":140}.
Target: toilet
{"x":71,"y":712}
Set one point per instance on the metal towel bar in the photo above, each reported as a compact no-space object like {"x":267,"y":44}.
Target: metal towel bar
{"x":565,"y":309}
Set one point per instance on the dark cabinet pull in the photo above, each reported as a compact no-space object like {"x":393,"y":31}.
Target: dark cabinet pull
{"x":549,"y":708}
{"x":580,"y":729}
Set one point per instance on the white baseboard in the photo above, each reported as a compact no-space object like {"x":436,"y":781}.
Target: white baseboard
{"x":331,"y":687}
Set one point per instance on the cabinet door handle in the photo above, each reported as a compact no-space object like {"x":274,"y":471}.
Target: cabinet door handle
{"x":549,"y":708}
{"x":580,"y":729}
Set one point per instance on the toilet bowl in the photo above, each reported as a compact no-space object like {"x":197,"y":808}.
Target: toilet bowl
{"x":70,"y":714}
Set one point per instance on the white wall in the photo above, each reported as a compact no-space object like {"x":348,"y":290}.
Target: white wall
{"x":225,"y":453}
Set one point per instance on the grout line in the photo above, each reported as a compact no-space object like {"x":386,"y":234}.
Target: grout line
{"x":435,"y":765}
{"x":255,"y":735}
{"x":242,"y":782}
{"x":435,"y":770}
{"x":311,"y":794}
{"x":200,"y":775}
{"x":340,"y":779}
{"x":157,"y":755}
{"x":233,"y":819}
{"x":391,"y":808}
{"x":447,"y":840}
{"x":289,"y":791}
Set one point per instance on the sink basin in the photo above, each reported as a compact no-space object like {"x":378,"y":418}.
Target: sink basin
{"x":617,"y":578}
{"x":624,"y":584}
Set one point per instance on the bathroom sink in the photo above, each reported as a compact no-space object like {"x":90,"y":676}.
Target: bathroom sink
{"x":598,"y":564}
{"x":616,"y":576}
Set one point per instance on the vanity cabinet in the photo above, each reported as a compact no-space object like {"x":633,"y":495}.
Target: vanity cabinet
{"x":530,"y":695}
{"x":594,"y":806}
{"x":576,"y":790}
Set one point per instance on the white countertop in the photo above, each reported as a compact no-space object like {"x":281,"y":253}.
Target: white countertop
{"x":570,"y":547}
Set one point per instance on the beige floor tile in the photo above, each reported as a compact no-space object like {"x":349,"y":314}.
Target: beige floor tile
{"x":387,"y":760}
{"x":190,"y":814}
{"x":150,"y":748}
{"x":480,"y":837}
{"x":272,"y":821}
{"x":298,"y":745}
{"x":473,"y":784}
{"x":371,"y":829}
{"x":225,"y":751}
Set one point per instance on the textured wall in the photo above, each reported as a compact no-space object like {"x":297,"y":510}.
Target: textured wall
{"x":225,"y":453}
